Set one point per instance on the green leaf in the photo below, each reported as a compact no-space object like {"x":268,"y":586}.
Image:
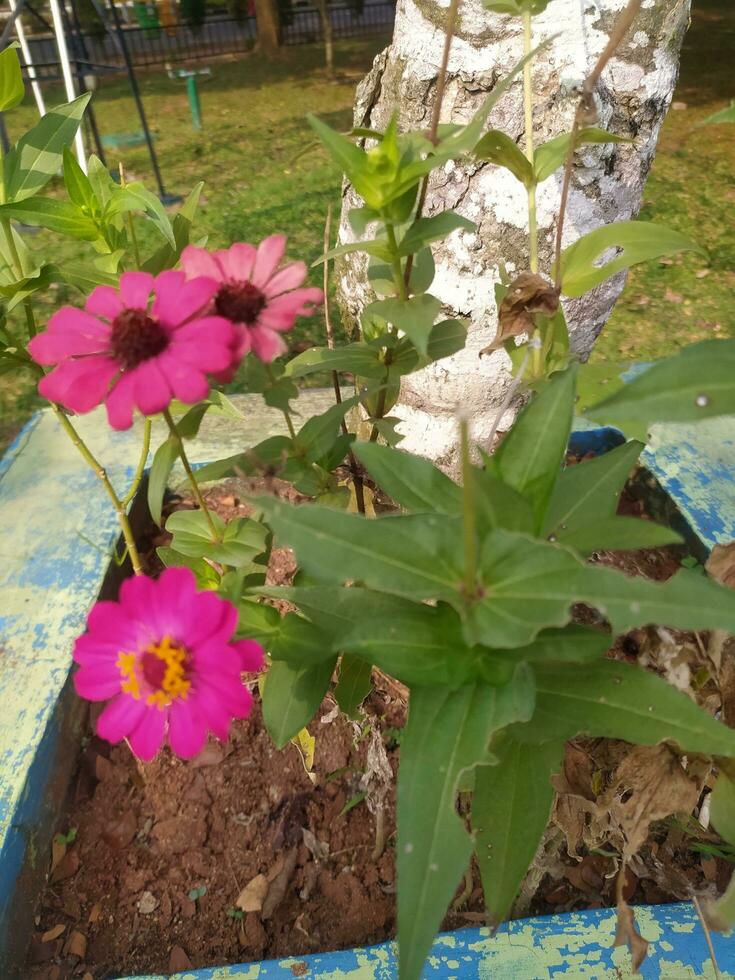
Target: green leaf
{"x":726,"y":115}
{"x":722,"y":812}
{"x":37,"y":155}
{"x":696,"y":383}
{"x":359,"y":358}
{"x":425,"y":230}
{"x":99,"y":176}
{"x":267,"y":455}
{"x":570,"y":644}
{"x":516,"y":7}
{"x":551,"y":155}
{"x":530,"y":458}
{"x":618,"y":534}
{"x":446,"y":737}
{"x":415,"y":316}
{"x":354,"y":684}
{"x":638,"y":241}
{"x":135,"y":197}
{"x":721,"y":914}
{"x":270,"y":382}
{"x":77,"y":184}
{"x":292,"y":697}
{"x":16,"y":292}
{"x":499,"y":505}
{"x":257,"y":621}
{"x":206,"y":576}
{"x":411,"y":481}
{"x":610,"y":699}
{"x":85,"y":277}
{"x":350,"y":158}
{"x":497,"y":148}
{"x":511,"y":805}
{"x":413,"y":555}
{"x":48,"y":212}
{"x":12,"y":89}
{"x":317,"y":436}
{"x":166,"y":257}
{"x":241,"y":540}
{"x":163,"y":463}
{"x":590,"y":490}
{"x":300,"y":643}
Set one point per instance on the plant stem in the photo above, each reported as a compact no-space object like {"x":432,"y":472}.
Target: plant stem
{"x":101,"y":474}
{"x":398,"y":278}
{"x":284,"y":411}
{"x":528,"y":112}
{"x":190,"y":474}
{"x":129,"y":216}
{"x":354,"y":468}
{"x":468,"y":515}
{"x":140,"y":469}
{"x":512,"y":388}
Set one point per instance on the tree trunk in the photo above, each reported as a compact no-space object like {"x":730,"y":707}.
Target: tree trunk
{"x":633,"y":96}
{"x":269,"y":26}
{"x":327,"y":35}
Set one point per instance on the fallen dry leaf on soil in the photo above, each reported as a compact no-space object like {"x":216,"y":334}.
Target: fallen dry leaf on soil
{"x":721,"y":564}
{"x":626,"y":934}
{"x":77,"y":945}
{"x":54,"y":933}
{"x":178,"y":960}
{"x":527,"y":294}
{"x":279,"y":884}
{"x":253,"y":894}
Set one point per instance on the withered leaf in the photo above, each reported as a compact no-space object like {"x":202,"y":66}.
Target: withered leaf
{"x":528,"y":294}
{"x":277,"y":889}
{"x":77,"y":944}
{"x":53,"y":933}
{"x":721,"y":564}
{"x":252,"y":896}
{"x":626,"y":934}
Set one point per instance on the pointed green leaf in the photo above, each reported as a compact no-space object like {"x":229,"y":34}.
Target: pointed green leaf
{"x":206,"y":576}
{"x":359,"y":358}
{"x":511,"y":805}
{"x":37,"y":156}
{"x":269,"y":454}
{"x":721,"y":914}
{"x":354,"y":684}
{"x":610,"y":699}
{"x":49,"y":212}
{"x":638,"y":241}
{"x":241,"y":540}
{"x":163,"y":463}
{"x":299,"y":642}
{"x":136,"y":197}
{"x":618,"y":534}
{"x":12,"y":89}
{"x":425,"y":230}
{"x":292,"y":697}
{"x":316,"y":437}
{"x":722,"y":803}
{"x":551,"y":155}
{"x":411,"y":481}
{"x":77,"y":184}
{"x":447,"y":735}
{"x":726,"y":115}
{"x":497,"y":148}
{"x":414,"y":316}
{"x":568,"y":645}
{"x":530,"y":458}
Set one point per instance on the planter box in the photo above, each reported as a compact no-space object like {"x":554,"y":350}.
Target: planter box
{"x":57,"y":534}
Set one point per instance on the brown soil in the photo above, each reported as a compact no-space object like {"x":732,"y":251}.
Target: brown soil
{"x":163,"y":851}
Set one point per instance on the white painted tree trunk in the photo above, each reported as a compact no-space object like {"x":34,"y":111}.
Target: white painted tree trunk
{"x":633,"y":97}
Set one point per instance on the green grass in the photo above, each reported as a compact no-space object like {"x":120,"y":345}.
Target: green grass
{"x":257,"y":181}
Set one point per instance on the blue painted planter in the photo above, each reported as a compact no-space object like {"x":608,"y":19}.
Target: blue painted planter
{"x":49,"y":578}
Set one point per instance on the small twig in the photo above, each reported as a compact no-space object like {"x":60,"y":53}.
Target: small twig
{"x":509,"y":395}
{"x":585,"y":103}
{"x":441,"y":84}
{"x":380,"y":837}
{"x":707,"y":936}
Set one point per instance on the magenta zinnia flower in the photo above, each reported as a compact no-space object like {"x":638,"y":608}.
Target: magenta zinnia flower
{"x":261,"y":300}
{"x":164,"y":655}
{"x":120,"y":351}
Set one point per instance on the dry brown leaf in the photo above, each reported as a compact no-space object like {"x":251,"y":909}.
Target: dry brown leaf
{"x":94,"y":913}
{"x":527,"y":294}
{"x":67,"y":866}
{"x":54,"y":933}
{"x":278,"y":886}
{"x":253,"y":895}
{"x":721,"y":564}
{"x":318,"y":849}
{"x":77,"y":945}
{"x":626,"y":934}
{"x":178,"y":960}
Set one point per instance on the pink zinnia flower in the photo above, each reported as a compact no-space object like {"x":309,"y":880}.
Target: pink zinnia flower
{"x":121,"y":352}
{"x":261,"y":300}
{"x":164,"y":654}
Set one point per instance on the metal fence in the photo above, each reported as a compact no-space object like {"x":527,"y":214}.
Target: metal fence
{"x":154,"y":46}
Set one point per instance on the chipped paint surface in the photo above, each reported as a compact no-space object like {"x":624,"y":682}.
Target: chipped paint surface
{"x":695,"y":464}
{"x":49,"y":577}
{"x":576,"y":946}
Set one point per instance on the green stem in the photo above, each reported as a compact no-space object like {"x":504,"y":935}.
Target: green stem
{"x":101,"y":474}
{"x":400,"y":282}
{"x":284,"y":411}
{"x":528,"y":113}
{"x":134,"y":240}
{"x":140,"y":469}
{"x":190,"y":474}
{"x":468,"y":515}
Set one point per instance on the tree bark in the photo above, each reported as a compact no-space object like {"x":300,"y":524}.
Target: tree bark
{"x":327,"y":35}
{"x":633,"y":96}
{"x":269,"y":27}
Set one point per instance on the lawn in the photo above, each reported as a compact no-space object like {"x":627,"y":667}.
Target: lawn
{"x":258,"y":179}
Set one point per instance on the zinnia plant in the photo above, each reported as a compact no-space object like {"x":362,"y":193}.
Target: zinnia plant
{"x":165,"y":658}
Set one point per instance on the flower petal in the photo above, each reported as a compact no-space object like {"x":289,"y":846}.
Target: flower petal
{"x":187,"y":731}
{"x":104,"y":301}
{"x":252,"y":655}
{"x":290,"y":277}
{"x":237,"y":261}
{"x":79,"y":384}
{"x":282,"y":310}
{"x":270,"y":252}
{"x":148,"y":735}
{"x":152,"y":391}
{"x":188,"y":383}
{"x":213,"y":619}
{"x":266,"y":344}
{"x":135,"y":289}
{"x":120,"y":402}
{"x":70,"y":332}
{"x":120,"y":717}
{"x":199,"y":262}
{"x":179,"y":300}
{"x":97,"y":682}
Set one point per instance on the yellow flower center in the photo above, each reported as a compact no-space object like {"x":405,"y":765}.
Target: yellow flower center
{"x":160,"y":670}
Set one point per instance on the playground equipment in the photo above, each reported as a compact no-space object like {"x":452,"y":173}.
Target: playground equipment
{"x":192,"y":92}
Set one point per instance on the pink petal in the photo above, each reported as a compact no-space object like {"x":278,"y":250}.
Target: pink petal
{"x":266,"y":344}
{"x":104,"y":301}
{"x":98,"y":682}
{"x":137,"y":600}
{"x":213,"y":711}
{"x":179,"y":300}
{"x":252,"y":655}
{"x":176,"y":593}
{"x":70,"y":332}
{"x":152,"y":390}
{"x":199,"y":262}
{"x":213,"y":619}
{"x":135,"y":289}
{"x":187,"y":731}
{"x":281,"y":311}
{"x":270,"y":252}
{"x":120,"y":403}
{"x":110,"y":622}
{"x":80,"y":385}
{"x":147,"y":737}
{"x":220,"y":699}
{"x":120,"y":717}
{"x":287,"y":278}
{"x":237,"y":261}
{"x":188,"y":384}
{"x":205,"y":344}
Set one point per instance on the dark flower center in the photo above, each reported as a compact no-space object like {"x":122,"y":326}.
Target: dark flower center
{"x":241,"y":302}
{"x":136,"y":337}
{"x":154,"y":669}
